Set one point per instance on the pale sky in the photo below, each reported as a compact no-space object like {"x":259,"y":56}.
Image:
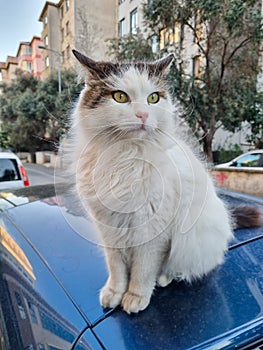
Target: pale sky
{"x":18,"y":22}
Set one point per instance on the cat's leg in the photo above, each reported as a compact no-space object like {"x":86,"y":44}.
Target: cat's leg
{"x":144,"y":271}
{"x":111,"y":294}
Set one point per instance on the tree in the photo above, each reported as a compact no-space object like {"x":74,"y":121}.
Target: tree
{"x":57,"y":106}
{"x":18,"y":110}
{"x":225,"y":38}
{"x":131,"y":47}
{"x":31,"y":109}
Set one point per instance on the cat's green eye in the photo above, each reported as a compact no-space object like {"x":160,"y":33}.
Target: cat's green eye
{"x":120,"y":96}
{"x":153,"y":98}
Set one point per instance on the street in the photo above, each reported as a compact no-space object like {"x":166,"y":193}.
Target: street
{"x":41,"y":175}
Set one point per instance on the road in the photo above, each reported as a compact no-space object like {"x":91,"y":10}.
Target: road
{"x":41,"y":175}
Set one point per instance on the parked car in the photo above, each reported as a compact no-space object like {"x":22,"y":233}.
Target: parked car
{"x":12,"y":171}
{"x":252,"y":159}
{"x":52,"y":269}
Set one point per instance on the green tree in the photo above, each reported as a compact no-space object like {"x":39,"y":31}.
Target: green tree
{"x":227,"y":37}
{"x":58,"y":106}
{"x":131,"y":47}
{"x":18,"y":110}
{"x":31,"y":110}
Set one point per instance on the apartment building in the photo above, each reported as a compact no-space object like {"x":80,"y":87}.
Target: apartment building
{"x":177,"y":39}
{"x":8,"y":69}
{"x":76,"y":24}
{"x":28,"y":59}
{"x":50,"y":38}
{"x":130,"y":16}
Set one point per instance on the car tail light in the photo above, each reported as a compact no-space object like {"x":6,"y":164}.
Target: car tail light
{"x":24,"y":176}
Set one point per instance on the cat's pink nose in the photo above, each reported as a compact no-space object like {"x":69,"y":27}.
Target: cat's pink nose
{"x":142,"y":115}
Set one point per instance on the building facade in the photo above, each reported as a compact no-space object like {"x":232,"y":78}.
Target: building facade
{"x":129,"y":17}
{"x":8,"y":69}
{"x":28,"y":59}
{"x":76,"y":24}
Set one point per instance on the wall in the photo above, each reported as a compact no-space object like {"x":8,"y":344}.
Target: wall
{"x":240,"y":180}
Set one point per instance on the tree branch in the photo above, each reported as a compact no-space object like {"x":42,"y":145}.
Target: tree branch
{"x":243,"y":43}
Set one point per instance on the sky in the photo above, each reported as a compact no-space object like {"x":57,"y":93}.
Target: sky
{"x":18,"y":22}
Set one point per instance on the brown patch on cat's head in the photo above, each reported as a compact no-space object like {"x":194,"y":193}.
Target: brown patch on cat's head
{"x":96,"y":69}
{"x":95,"y":94}
{"x":102,"y":70}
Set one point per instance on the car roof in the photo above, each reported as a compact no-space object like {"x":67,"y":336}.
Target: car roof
{"x":252,"y":151}
{"x":8,"y":155}
{"x":218,"y":309}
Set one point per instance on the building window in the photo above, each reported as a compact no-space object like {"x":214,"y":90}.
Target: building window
{"x":45,"y":20}
{"x":121,"y":1}
{"x":20,"y":306}
{"x":46,"y":40}
{"x":67,"y":4}
{"x":154,"y":43}
{"x":62,"y":56}
{"x":176,"y":33}
{"x":28,"y":66}
{"x":169,"y":36}
{"x":61,"y":11}
{"x":198,"y":28}
{"x":67,"y":28}
{"x":122,"y":27}
{"x":47,"y":61}
{"x":28,"y":50}
{"x":68,"y":52}
{"x":197,"y":61}
{"x":134,"y":21}
{"x":32,"y":311}
{"x":62,"y":34}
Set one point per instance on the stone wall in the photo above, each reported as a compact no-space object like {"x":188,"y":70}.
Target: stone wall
{"x":240,"y":180}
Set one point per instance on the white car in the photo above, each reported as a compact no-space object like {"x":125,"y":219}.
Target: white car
{"x":12,"y":171}
{"x":249,"y":160}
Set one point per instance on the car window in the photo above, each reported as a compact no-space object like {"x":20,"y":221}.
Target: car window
{"x":9,"y":170}
{"x":249,"y":160}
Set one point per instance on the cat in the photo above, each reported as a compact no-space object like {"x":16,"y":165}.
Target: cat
{"x":151,"y":197}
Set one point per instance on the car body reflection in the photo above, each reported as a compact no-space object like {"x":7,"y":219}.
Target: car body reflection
{"x":28,"y":321}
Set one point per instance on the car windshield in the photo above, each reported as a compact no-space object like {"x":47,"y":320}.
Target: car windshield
{"x":9,"y":170}
{"x":250,"y":160}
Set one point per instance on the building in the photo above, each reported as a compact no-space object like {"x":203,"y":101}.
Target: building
{"x":8,"y":69}
{"x":76,"y":24}
{"x":37,"y":64}
{"x":130,"y":17}
{"x":28,"y":59}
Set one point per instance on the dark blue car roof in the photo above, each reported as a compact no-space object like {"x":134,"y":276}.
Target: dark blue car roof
{"x":223,"y":309}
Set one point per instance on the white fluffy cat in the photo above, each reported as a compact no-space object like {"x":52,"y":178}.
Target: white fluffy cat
{"x":152,"y":199}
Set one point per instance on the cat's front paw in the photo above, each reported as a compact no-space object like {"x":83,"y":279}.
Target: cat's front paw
{"x":163,"y":280}
{"x":133,"y":303}
{"x":110,"y":298}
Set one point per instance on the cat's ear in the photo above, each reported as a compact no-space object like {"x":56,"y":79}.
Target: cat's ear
{"x":96,"y":69}
{"x":162,"y":65}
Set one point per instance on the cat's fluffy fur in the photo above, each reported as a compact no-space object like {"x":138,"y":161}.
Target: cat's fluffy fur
{"x":152,"y":199}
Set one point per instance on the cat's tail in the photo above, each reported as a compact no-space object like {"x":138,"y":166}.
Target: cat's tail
{"x":246,"y":216}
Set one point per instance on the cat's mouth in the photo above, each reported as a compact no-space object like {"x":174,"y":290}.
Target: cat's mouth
{"x":140,"y":127}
